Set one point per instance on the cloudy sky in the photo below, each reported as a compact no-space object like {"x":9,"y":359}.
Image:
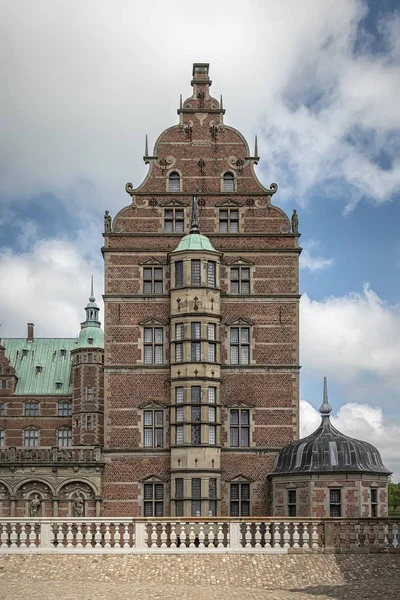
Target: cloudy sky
{"x":319,"y":82}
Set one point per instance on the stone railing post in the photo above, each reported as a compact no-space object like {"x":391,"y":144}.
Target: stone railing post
{"x":234,"y":535}
{"x":329,"y":535}
{"x":140,"y":535}
{"x":46,"y":534}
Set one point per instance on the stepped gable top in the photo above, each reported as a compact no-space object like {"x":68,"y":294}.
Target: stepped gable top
{"x":328,"y":450}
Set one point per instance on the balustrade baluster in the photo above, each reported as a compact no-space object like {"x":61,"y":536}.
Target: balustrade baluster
{"x":13,"y":536}
{"x":22,"y":536}
{"x":220,"y":536}
{"x":277,"y":535}
{"x":286,"y":535}
{"x":153,"y":536}
{"x":192,"y":536}
{"x":32,"y":535}
{"x":296,"y":535}
{"x":395,"y":534}
{"x":172,"y":536}
{"x":125,"y":536}
{"x":314,"y":536}
{"x":211,"y":535}
{"x":117,"y":535}
{"x":97,"y":536}
{"x":79,"y":536}
{"x":107,"y":536}
{"x":4,"y":535}
{"x":201,"y":536}
{"x":70,"y":536}
{"x":257,"y":536}
{"x":163,"y":535}
{"x":247,"y":536}
{"x":306,"y":537}
{"x":182,"y":536}
{"x":268,"y":535}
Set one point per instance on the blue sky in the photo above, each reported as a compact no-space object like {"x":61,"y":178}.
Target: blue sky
{"x":318,"y":82}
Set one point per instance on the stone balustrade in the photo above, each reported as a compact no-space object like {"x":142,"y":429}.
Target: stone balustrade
{"x":51,"y":455}
{"x":126,"y":535}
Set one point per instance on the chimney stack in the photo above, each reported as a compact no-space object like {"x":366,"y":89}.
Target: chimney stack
{"x":30,"y":332}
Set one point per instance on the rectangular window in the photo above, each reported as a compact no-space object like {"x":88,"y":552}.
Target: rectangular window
{"x":152,"y":280}
{"x":153,"y":428}
{"x":229,"y":220}
{"x":31,"y":409}
{"x":64,"y":409}
{"x":2,"y":437}
{"x":179,"y":414}
{"x":195,"y":394}
{"x":196,"y":497}
{"x":31,"y":438}
{"x":179,"y":331}
{"x":335,"y":505}
{"x":240,"y":500}
{"x":240,"y":428}
{"x":179,"y":352}
{"x":212,"y":435}
{"x":195,"y":273}
{"x":196,"y":412}
{"x":153,"y":346}
{"x":179,"y":435}
{"x":64,"y":438}
{"x":240,"y":280}
{"x":89,"y":393}
{"x":195,"y":331}
{"x":212,"y":274}
{"x":196,"y":435}
{"x":179,"y":395}
{"x":240,"y":345}
{"x":211,"y":335}
{"x":212,"y":392}
{"x":291,"y":503}
{"x":179,"y":488}
{"x":3,"y":384}
{"x":179,"y":274}
{"x":374,"y":502}
{"x":212,"y":496}
{"x":211,"y":352}
{"x":195,"y":352}
{"x":153,"y":500}
{"x":90,"y":358}
{"x":174,"y":220}
{"x":211,"y":414}
{"x":89,"y":422}
{"x":2,"y":409}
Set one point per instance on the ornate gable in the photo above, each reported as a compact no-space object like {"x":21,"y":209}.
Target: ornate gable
{"x":174,"y":202}
{"x":154,"y":261}
{"x":154,"y":321}
{"x":228,"y":202}
{"x":238,"y":261}
{"x":239,"y":321}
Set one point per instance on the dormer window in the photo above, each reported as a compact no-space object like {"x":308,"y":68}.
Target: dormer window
{"x":174,"y":182}
{"x":39,"y":369}
{"x":58,"y":385}
{"x":90,"y":341}
{"x":228,"y":182}
{"x":24,"y":352}
{"x":63,"y":353}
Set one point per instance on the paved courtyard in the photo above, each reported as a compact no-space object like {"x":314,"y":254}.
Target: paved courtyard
{"x":233,"y":577}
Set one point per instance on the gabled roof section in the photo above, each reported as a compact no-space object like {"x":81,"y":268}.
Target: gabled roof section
{"x":45,"y":352}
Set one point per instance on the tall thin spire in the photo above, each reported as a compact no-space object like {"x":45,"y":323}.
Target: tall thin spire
{"x":194,"y":225}
{"x":221,"y":106}
{"x":92,"y":298}
{"x":255,"y":147}
{"x":325,"y":409}
{"x":180,"y":102}
{"x":146,"y":147}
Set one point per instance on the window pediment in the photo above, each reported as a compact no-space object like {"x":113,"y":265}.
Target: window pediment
{"x":241,"y":479}
{"x":153,"y":479}
{"x":239,"y":404}
{"x":174,"y":202}
{"x":240,"y":321}
{"x":151,"y":405}
{"x":228,"y":203}
{"x":153,"y":261}
{"x":239,"y":261}
{"x":153,"y":321}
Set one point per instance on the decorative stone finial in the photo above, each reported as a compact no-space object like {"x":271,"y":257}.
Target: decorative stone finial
{"x":92,"y":298}
{"x":325,"y":409}
{"x":194,"y":225}
{"x":221,"y":105}
{"x":180,"y":102}
{"x":256,"y":148}
{"x":146,"y":147}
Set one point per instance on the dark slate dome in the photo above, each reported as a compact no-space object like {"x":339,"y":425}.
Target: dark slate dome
{"x":328,"y":450}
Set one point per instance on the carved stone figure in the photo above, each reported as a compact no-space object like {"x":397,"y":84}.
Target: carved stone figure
{"x":107,"y":222}
{"x":295,"y":222}
{"x":35,"y":506}
{"x":78,"y":506}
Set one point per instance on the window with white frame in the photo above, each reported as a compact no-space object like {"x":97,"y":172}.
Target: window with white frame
{"x":2,"y":437}
{"x":64,"y":437}
{"x":153,"y":345}
{"x":152,"y":280}
{"x":240,"y":500}
{"x":31,"y":438}
{"x":335,"y":502}
{"x":212,"y":274}
{"x":64,"y":409}
{"x":228,"y":182}
{"x":174,"y":220}
{"x":153,"y":423}
{"x":153,"y":499}
{"x":239,"y":427}
{"x":174,"y":182}
{"x":229,"y":220}
{"x":31,"y":409}
{"x":240,"y":280}
{"x":240,"y":345}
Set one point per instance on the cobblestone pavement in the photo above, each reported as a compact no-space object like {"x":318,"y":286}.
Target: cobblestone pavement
{"x":232,"y":577}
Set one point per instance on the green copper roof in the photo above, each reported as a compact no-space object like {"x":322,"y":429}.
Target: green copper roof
{"x":47,"y":353}
{"x":195,"y":241}
{"x":93,"y":333}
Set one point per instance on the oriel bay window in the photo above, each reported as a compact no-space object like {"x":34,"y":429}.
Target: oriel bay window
{"x":240,"y":345}
{"x":239,"y":427}
{"x":153,"y":500}
{"x":212,"y":274}
{"x":153,"y":428}
{"x":179,"y":274}
{"x":195,"y":266}
{"x":153,"y":345}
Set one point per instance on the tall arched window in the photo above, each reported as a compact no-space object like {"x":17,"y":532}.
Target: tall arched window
{"x":228,"y":182}
{"x":174,"y":182}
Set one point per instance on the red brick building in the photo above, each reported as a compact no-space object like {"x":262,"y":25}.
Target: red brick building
{"x":201,"y":346}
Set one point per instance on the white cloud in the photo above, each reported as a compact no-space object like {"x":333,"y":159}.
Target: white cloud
{"x":355,"y":339}
{"x":311,"y":262}
{"x":85,"y":83}
{"x":48,"y":285}
{"x":363,"y":422}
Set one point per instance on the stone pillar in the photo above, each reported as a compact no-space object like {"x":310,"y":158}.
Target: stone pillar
{"x":98,"y":506}
{"x":12,"y":506}
{"x":55,"y":506}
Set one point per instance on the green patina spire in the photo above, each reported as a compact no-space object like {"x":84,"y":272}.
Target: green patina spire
{"x":91,"y":333}
{"x":195,"y":241}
